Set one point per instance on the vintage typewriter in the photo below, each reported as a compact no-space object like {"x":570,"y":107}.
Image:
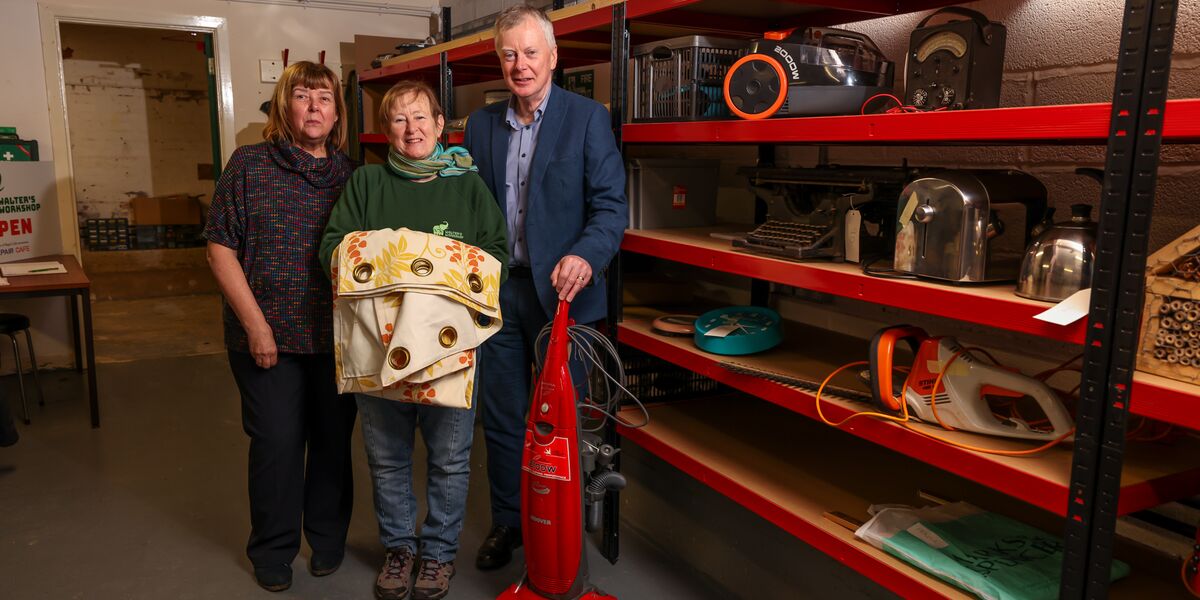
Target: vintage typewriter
{"x":831,"y":212}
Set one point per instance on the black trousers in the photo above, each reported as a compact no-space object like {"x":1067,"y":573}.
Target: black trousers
{"x":289,"y":411}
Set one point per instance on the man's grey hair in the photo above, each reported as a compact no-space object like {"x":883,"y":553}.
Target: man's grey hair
{"x":513,"y":16}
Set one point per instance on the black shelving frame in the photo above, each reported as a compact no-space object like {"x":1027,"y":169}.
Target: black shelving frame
{"x":1118,"y":290}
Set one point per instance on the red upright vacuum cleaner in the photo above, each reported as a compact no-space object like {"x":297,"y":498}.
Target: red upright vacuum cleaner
{"x":552,"y":483}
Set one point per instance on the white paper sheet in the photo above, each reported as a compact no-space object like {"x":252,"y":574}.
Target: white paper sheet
{"x":1068,"y":311}
{"x":32,"y":268}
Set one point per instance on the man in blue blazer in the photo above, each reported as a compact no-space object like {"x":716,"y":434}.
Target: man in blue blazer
{"x":550,"y":159}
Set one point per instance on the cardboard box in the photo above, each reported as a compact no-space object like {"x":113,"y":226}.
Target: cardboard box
{"x":179,"y":209}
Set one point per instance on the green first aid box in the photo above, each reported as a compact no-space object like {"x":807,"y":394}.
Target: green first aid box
{"x":18,"y":150}
{"x":12,"y":148}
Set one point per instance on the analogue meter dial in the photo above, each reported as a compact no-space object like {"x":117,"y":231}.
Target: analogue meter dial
{"x":946,"y":40}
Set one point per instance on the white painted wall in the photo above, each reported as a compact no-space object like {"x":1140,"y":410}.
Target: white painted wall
{"x":255,"y":32}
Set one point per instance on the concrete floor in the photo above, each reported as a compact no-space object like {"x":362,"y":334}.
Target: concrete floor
{"x":144,"y":328}
{"x":153,"y":504}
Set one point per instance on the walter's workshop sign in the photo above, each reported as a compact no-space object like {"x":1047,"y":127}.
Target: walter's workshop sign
{"x":28,"y":211}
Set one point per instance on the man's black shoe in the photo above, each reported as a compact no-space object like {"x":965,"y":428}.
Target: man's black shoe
{"x":497,"y":549}
{"x":322,"y":564}
{"x":274,"y":578}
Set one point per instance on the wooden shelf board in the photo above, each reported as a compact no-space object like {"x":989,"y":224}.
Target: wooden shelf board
{"x":791,"y":471}
{"x":1153,"y":396}
{"x":742,"y":448}
{"x":1151,"y":477}
{"x":993,"y":305}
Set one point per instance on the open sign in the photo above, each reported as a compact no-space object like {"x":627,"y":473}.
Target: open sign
{"x":16,"y":227}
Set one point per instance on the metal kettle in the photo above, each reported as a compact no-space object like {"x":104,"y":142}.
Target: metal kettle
{"x":1059,"y":261}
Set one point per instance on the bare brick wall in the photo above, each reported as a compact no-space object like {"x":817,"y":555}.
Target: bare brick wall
{"x":139,"y":116}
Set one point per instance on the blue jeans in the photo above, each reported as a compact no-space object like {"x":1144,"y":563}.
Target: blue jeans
{"x":389,"y":429}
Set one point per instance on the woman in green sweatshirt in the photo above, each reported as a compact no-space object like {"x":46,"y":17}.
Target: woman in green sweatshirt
{"x":425,"y":188}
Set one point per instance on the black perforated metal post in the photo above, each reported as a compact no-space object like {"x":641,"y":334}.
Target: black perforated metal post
{"x":1118,"y":282}
{"x":558,"y":73}
{"x":446,"y":83}
{"x":610,"y":546}
{"x":445,"y":24}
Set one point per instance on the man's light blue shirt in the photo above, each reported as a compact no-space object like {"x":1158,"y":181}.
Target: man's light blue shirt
{"x":522,"y":140}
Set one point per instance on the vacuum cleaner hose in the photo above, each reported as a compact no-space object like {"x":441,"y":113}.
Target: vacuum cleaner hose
{"x":600,"y":485}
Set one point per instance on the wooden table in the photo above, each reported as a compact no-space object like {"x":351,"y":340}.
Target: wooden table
{"x":74,"y":284}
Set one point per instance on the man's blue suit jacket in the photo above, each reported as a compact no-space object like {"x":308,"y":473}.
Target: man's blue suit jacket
{"x":576,"y":199}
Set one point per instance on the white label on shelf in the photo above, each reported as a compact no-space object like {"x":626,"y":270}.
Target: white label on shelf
{"x":1074,"y":308}
{"x":923,"y":533}
{"x":853,"y":228}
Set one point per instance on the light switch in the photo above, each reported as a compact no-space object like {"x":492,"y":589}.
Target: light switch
{"x":269,"y":71}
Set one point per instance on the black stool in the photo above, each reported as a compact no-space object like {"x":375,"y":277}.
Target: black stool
{"x":10,"y":324}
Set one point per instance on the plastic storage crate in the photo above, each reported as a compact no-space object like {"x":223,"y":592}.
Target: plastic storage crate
{"x":106,"y":234}
{"x":681,"y":79}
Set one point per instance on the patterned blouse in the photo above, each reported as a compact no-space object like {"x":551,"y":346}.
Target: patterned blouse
{"x":271,"y":206}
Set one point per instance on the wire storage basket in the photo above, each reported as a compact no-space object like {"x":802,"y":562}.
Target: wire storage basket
{"x":652,"y":379}
{"x":682,"y":79}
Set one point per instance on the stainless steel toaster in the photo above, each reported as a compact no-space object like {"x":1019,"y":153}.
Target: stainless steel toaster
{"x":967,"y":226}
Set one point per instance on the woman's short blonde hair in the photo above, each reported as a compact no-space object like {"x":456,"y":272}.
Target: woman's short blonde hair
{"x":313,"y":76}
{"x":513,"y":16}
{"x":401,"y":90}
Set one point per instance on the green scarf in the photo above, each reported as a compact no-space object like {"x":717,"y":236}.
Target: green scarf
{"x":447,"y":162}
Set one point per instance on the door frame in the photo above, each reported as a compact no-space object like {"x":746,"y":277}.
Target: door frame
{"x":50,"y":16}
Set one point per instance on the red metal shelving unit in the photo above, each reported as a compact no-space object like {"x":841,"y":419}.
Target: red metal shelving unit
{"x":1063,"y":124}
{"x":1042,"y":125}
{"x":1041,"y":480}
{"x":743,"y":470}
{"x":658,"y":19}
{"x":994,"y":306}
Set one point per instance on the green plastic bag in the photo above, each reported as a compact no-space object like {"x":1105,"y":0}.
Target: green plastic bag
{"x":992,"y":556}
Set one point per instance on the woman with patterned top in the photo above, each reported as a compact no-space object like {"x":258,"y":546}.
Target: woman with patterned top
{"x":264,"y":228}
{"x":425,"y":188}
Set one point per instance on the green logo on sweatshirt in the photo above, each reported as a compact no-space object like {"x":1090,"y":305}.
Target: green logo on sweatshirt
{"x":442,"y":230}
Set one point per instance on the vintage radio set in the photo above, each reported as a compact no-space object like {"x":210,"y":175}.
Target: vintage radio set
{"x":820,"y":71}
{"x":958,"y":64}
{"x":842,"y":213}
{"x":964,"y":226}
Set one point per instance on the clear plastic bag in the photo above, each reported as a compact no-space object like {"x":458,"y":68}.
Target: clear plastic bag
{"x":992,"y":556}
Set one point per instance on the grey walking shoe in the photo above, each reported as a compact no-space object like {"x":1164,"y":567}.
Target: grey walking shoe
{"x":433,"y":580}
{"x":395,"y":577}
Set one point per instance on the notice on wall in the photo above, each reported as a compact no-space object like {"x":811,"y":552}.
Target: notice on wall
{"x":29,"y":223}
{"x":581,"y":82}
